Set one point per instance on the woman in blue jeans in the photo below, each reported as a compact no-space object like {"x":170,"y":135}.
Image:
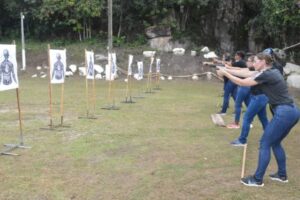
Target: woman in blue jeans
{"x":286,"y":116}
{"x":257,"y":106}
{"x":230,"y":88}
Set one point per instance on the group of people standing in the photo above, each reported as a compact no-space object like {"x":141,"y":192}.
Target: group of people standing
{"x":257,"y":82}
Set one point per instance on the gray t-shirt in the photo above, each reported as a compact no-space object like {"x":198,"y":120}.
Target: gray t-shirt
{"x":272,"y":84}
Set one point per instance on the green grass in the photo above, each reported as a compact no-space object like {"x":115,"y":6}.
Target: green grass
{"x":162,"y":147}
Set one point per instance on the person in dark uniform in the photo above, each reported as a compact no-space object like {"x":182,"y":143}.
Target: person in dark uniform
{"x":286,"y":116}
{"x":230,"y":87}
{"x":242,"y":92}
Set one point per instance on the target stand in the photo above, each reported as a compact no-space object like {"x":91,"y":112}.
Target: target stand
{"x":157,"y":86}
{"x":128,"y":97}
{"x":111,"y":98}
{"x":11,"y":147}
{"x":9,"y":54}
{"x":89,"y":64}
{"x":51,"y":126}
{"x":149,"y":79}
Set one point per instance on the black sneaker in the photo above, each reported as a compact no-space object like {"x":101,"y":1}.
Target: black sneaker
{"x":276,"y":177}
{"x":251,"y":181}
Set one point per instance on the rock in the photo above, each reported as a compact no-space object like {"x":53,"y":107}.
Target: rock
{"x":193,"y":53}
{"x":126,"y":80}
{"x":73,"y":68}
{"x":157,"y":31}
{"x":208,"y":75}
{"x":42,"y":73}
{"x":205,"y":49}
{"x":69,"y":73}
{"x":294,"y":81}
{"x":162,"y":78}
{"x":161,"y":44}
{"x":149,"y":54}
{"x":44,"y":76}
{"x":211,"y":54}
{"x":178,"y":51}
{"x":137,"y":77}
{"x":38,"y":68}
{"x":195,"y":77}
{"x":82,"y":71}
{"x":279,"y":53}
{"x":34,"y":76}
{"x":100,"y":57}
{"x":98,"y":68}
{"x":45,"y":67}
{"x":291,"y":68}
{"x":170,"y":78}
{"x":98,"y":76}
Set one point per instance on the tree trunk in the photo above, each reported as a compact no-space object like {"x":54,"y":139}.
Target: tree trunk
{"x":79,"y":34}
{"x":184,"y":18}
{"x":120,"y":20}
{"x":90,"y":29}
{"x":84,"y":29}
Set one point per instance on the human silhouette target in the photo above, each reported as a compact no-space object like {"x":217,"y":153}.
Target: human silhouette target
{"x":8,"y":68}
{"x":57,"y":66}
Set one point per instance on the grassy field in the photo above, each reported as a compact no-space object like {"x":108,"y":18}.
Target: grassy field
{"x":162,"y":147}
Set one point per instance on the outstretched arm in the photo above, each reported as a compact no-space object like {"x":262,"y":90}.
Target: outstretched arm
{"x":242,"y":82}
{"x":241,"y":72}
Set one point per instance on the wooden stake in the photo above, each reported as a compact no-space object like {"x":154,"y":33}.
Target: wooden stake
{"x":62,"y":105}
{"x":130,"y":87}
{"x":50,"y":88}
{"x":20,"y":118}
{"x":244,"y":161}
{"x":127,"y":88}
{"x":94,"y":96}
{"x":86,"y":85}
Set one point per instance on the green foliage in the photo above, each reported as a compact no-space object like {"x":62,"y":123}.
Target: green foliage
{"x":67,"y":14}
{"x":118,"y":41}
{"x":274,"y":21}
{"x":280,"y":16}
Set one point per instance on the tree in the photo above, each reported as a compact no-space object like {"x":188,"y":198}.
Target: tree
{"x":281,"y":18}
{"x":62,"y":15}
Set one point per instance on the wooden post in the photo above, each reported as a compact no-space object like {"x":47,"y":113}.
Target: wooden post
{"x":94,"y":96}
{"x":149,"y":80}
{"x":127,"y":88}
{"x":130,"y":87}
{"x":50,"y":88}
{"x":62,"y":105}
{"x":20,"y":118}
{"x":244,"y":161}
{"x":86,"y":85}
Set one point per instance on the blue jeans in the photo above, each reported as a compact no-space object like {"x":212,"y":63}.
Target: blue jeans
{"x":257,"y":106}
{"x":243,"y":95}
{"x":285,"y":118}
{"x":229,"y":90}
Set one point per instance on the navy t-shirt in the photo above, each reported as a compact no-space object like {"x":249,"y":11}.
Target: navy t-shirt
{"x":272,"y":84}
{"x":240,"y":64}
